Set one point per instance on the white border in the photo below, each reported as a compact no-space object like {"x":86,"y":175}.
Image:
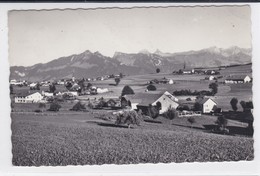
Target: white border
{"x":212,"y":168}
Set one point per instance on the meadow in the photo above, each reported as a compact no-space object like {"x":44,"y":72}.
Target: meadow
{"x":81,"y":139}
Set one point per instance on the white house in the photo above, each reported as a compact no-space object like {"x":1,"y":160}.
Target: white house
{"x":207,"y":105}
{"x":102,"y":90}
{"x":171,"y":81}
{"x":210,"y":78}
{"x":166,"y":100}
{"x":28,"y":98}
{"x":188,"y":71}
{"x":235,"y":79}
{"x":144,"y":100}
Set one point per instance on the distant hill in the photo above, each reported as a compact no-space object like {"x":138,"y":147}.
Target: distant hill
{"x":88,"y":64}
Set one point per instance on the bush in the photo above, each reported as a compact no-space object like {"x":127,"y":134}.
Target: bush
{"x":191,"y":120}
{"x":54,"y":107}
{"x":127,"y":90}
{"x":214,"y":88}
{"x":197,"y":107}
{"x":153,"y":111}
{"x":79,"y":106}
{"x":38,"y":110}
{"x":42,"y":105}
{"x":233,"y":103}
{"x":171,"y":113}
{"x":128,"y":117}
{"x":221,"y":121}
{"x":117,"y":80}
{"x":151,"y":87}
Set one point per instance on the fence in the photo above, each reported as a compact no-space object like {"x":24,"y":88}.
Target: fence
{"x":189,"y":113}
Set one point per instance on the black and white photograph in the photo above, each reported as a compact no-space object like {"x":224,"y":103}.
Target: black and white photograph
{"x":125,"y":86}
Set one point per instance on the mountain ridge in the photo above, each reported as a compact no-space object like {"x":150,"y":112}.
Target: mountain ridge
{"x":93,"y":64}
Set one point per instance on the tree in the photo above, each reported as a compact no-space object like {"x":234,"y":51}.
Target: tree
{"x":171,"y":113}
{"x":153,"y":111}
{"x":222,"y":124}
{"x":158,"y":70}
{"x":233,"y":103}
{"x":42,"y":106}
{"x":197,"y":107}
{"x":89,"y":85}
{"x":191,"y":120}
{"x":52,"y":88}
{"x":38,"y":86}
{"x":214,"y":88}
{"x":151,"y":87}
{"x":54,"y":107}
{"x":121,"y":75}
{"x":117,"y":80}
{"x":68,"y":85}
{"x":79,"y":106}
{"x":246,"y":105}
{"x":127,"y":90}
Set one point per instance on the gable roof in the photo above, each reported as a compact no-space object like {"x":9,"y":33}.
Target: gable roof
{"x":148,"y":97}
{"x":204,"y":100}
{"x":237,"y":77}
{"x":25,"y":94}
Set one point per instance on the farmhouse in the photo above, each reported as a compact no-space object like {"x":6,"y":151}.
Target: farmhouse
{"x":188,"y":71}
{"x":144,"y":100}
{"x":237,"y":79}
{"x":210,"y":78}
{"x":207,"y":105}
{"x":28,"y":98}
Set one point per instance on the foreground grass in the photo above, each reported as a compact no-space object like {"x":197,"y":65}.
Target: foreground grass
{"x":79,"y":140}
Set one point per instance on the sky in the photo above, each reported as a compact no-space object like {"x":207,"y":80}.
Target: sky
{"x":41,"y":36}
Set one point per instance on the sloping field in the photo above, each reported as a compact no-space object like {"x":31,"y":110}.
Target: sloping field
{"x":80,"y":140}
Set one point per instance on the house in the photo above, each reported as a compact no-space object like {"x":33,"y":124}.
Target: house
{"x":27,"y":97}
{"x":188,"y":71}
{"x":210,"y":78}
{"x":144,"y":100}
{"x":211,"y":72}
{"x":207,"y":105}
{"x":102,"y":90}
{"x":170,"y":81}
{"x":235,"y":79}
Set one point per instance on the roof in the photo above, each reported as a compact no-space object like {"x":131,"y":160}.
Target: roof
{"x":236,"y":77}
{"x":25,"y":94}
{"x":204,"y":100}
{"x":148,"y":97}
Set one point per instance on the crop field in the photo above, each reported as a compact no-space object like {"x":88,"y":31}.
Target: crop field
{"x":82,"y":139}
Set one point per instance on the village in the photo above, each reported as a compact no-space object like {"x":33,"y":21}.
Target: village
{"x":149,"y":97}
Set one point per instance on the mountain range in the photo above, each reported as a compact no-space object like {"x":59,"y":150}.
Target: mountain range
{"x":93,"y":64}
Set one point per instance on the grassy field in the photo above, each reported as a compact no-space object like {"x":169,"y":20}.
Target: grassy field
{"x":83,"y":139}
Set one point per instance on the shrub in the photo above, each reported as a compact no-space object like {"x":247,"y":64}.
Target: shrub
{"x":117,"y":80}
{"x":191,"y":120}
{"x":79,"y":106}
{"x":128,"y":117}
{"x":42,"y":105}
{"x":151,"y":87}
{"x":153,"y":111}
{"x":54,"y":107}
{"x":188,"y":99}
{"x":233,"y":103}
{"x":184,"y":108}
{"x":127,"y":90}
{"x":158,"y":70}
{"x":197,"y":107}
{"x":221,"y":121}
{"x":38,"y":110}
{"x":214,"y":88}
{"x":171,"y":113}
